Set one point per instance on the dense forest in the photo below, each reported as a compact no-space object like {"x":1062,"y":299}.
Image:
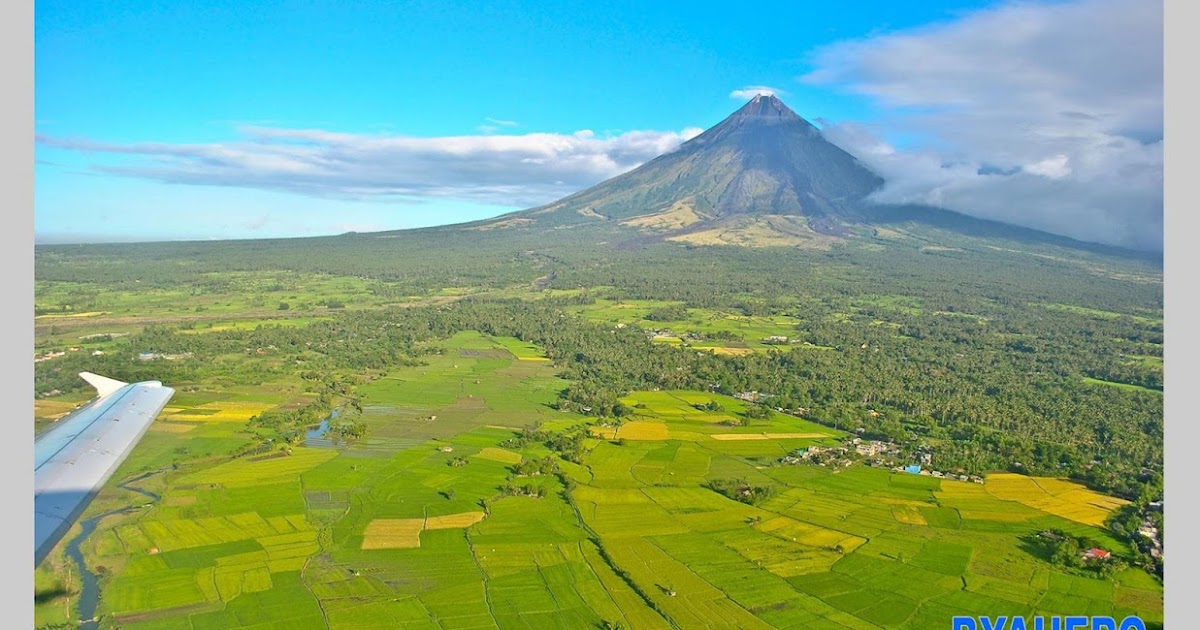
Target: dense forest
{"x":1005,"y":394}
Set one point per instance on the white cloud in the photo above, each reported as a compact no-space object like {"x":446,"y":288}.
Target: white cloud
{"x":495,"y":124}
{"x":508,"y":170}
{"x":749,"y":92}
{"x":1056,"y":167}
{"x":1048,"y":115}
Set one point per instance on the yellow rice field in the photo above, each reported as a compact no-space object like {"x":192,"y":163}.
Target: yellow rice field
{"x":731,"y":351}
{"x":791,"y":529}
{"x":636,"y":430}
{"x":405,"y":533}
{"x":454,"y":521}
{"x":393,"y":533}
{"x":70,"y":315}
{"x":225,"y":411}
{"x":1069,"y":500}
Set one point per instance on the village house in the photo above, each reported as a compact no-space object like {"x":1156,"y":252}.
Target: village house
{"x":1095,"y":553}
{"x":48,"y":356}
{"x":871,"y":448}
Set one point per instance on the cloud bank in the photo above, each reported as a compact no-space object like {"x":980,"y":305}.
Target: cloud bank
{"x":1043,"y":115}
{"x":751,"y":91}
{"x":507,"y":170}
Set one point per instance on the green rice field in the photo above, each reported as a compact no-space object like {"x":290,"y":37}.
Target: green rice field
{"x":385,"y":533}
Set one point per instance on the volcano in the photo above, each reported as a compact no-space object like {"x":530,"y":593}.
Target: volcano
{"x":762,"y":176}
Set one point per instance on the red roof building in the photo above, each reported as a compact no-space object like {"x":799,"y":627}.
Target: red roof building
{"x":1097,"y":553}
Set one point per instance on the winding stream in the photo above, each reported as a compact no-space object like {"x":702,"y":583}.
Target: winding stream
{"x":89,"y":594}
{"x":315,"y":438}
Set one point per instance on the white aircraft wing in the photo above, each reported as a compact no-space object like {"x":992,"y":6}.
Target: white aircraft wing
{"x":75,"y":457}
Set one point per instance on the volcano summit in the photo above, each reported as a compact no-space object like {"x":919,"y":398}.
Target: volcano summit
{"x":762,"y":176}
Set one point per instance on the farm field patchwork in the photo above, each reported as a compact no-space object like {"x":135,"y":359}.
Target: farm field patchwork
{"x":413,"y":526}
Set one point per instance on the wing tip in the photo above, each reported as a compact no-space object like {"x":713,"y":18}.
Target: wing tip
{"x":104,"y":385}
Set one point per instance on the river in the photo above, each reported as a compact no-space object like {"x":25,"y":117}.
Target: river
{"x":89,"y":594}
{"x":315,"y":437}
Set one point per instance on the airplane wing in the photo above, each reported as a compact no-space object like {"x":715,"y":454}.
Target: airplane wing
{"x":75,"y":457}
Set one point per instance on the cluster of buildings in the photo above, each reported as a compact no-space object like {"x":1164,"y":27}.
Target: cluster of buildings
{"x":917,"y":469}
{"x":54,"y":354}
{"x":752,"y":396}
{"x":1150,"y":531}
{"x":874,"y":453}
{"x":667,"y":333}
{"x":49,"y":355}
{"x":833,"y":456}
{"x":150,"y":356}
{"x":844,"y":454}
{"x":871,"y":448}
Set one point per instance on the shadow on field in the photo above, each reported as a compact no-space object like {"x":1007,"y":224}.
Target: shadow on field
{"x":49,"y":595}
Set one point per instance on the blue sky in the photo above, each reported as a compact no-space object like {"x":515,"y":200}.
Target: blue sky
{"x":263,"y":119}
